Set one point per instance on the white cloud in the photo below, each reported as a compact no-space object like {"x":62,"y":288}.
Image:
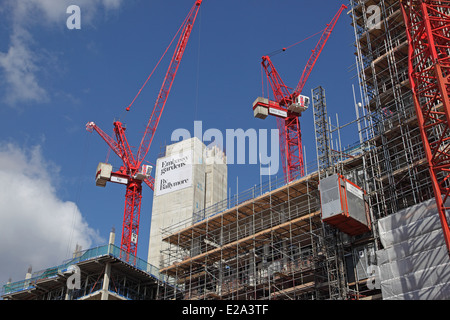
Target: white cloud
{"x":54,"y":11}
{"x":112,"y":4}
{"x":36,"y":226}
{"x":19,"y":65}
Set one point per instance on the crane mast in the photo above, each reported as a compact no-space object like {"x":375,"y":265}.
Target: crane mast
{"x":132,"y":173}
{"x":428,"y":31}
{"x":288,"y":106}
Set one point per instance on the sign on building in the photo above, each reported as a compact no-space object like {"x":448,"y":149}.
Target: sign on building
{"x":173,"y":173}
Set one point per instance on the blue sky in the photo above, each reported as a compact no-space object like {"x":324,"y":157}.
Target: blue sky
{"x":54,"y":80}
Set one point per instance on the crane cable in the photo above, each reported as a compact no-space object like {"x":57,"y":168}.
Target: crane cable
{"x":292,"y":45}
{"x":198,"y":65}
{"x":78,"y":191}
{"x":160,"y":59}
{"x":273,"y":53}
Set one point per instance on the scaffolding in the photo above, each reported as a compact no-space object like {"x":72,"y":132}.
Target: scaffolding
{"x":105,"y":273}
{"x":395,"y":162}
{"x":325,"y":156}
{"x":275,"y":245}
{"x":270,"y":242}
{"x":271,"y":246}
{"x":251,"y":251}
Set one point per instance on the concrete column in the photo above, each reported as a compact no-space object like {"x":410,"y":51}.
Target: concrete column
{"x":28,"y":277}
{"x":112,"y":236}
{"x":29,"y":273}
{"x":106,"y":277}
{"x":77,"y":251}
{"x":112,"y":239}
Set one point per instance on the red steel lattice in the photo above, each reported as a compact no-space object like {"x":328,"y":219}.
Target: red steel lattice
{"x":428,"y":32}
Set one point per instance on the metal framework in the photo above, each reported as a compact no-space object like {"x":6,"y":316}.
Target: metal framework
{"x":394,"y":159}
{"x":132,"y":165}
{"x":269,"y":242}
{"x":273,"y":245}
{"x":389,"y":162}
{"x":428,"y":31}
{"x":322,"y":130}
{"x":103,"y":275}
{"x":270,"y":245}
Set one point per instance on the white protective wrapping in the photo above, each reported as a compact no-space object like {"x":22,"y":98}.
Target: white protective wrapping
{"x":414,"y":263}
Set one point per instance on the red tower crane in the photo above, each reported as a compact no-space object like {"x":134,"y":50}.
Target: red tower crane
{"x":428,"y":31}
{"x":288,"y":106}
{"x":133,"y":172}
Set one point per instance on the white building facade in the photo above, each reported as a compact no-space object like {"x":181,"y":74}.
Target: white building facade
{"x":188,"y":179}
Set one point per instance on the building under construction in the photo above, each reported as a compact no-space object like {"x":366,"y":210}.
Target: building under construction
{"x":101,"y":273}
{"x":361,"y":224}
{"x":364,"y":225}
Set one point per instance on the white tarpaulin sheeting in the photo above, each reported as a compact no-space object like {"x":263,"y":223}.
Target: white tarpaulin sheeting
{"x":414,"y":263}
